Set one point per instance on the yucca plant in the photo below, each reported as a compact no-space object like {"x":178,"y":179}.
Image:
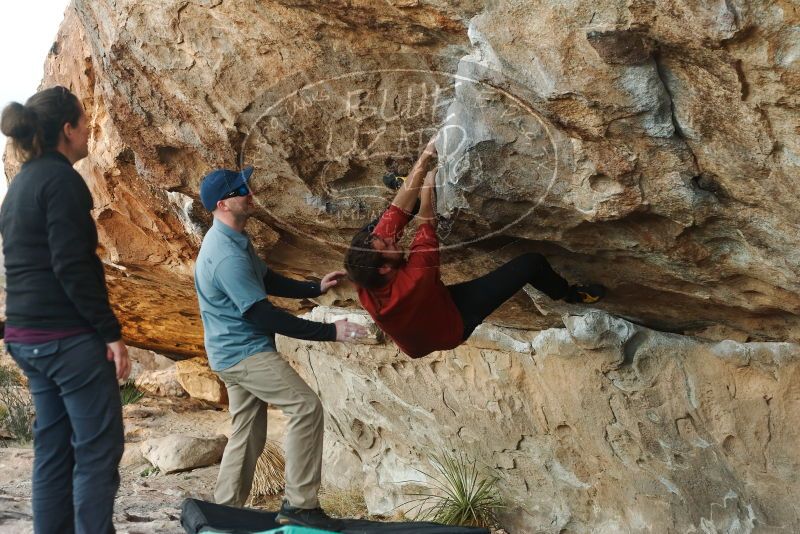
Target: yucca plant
{"x":130,"y":393}
{"x":457,"y":493}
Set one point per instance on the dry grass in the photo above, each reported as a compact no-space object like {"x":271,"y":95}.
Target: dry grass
{"x":344,"y":502}
{"x":271,"y":503}
{"x":336,"y":502}
{"x":16,"y":406}
{"x":269,"y":483}
{"x":269,"y":477}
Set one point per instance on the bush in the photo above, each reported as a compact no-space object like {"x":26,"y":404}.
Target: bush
{"x":149,"y":471}
{"x":130,"y":393}
{"x":457,"y":494}
{"x":16,"y":408}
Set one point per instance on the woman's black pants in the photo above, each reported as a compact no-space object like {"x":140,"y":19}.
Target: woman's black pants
{"x":78,"y":435}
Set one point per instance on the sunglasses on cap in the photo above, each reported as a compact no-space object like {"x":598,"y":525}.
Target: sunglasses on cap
{"x":241,"y":191}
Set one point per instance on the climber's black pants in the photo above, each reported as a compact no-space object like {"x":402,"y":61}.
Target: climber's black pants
{"x":478,"y":298}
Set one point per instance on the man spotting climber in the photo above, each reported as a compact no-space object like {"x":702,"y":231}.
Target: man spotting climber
{"x":240,"y":324}
{"x":406,"y":296}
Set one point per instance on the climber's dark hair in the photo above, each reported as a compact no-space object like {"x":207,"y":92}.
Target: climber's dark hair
{"x":362,"y":261}
{"x":36,"y":127}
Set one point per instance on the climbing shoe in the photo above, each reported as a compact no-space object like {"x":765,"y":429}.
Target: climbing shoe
{"x":307,"y":517}
{"x":577,"y":294}
{"x":393,"y":181}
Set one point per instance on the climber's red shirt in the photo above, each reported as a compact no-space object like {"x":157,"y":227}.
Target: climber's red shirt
{"x":415,"y":309}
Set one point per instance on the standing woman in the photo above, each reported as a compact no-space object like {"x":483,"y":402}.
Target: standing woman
{"x":59,"y":326}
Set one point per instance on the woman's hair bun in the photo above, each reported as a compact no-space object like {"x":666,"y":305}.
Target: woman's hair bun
{"x":18,"y":122}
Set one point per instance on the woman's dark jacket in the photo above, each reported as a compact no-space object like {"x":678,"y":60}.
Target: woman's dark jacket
{"x":54,"y":278}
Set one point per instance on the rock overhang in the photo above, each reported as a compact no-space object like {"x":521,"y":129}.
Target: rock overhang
{"x":654,"y":157}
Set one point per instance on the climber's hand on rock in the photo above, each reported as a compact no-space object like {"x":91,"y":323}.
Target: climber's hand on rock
{"x":430,"y":148}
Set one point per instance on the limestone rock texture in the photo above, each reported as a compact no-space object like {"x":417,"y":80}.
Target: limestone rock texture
{"x":651,"y":146}
{"x":599,"y":426}
{"x":199,"y":381}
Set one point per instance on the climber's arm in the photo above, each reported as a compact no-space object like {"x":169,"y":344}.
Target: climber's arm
{"x":407,"y":194}
{"x":427,"y":206}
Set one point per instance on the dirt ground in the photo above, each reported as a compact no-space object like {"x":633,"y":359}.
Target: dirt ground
{"x":147,"y":502}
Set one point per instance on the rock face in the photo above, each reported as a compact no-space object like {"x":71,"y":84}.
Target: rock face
{"x":650,"y":145}
{"x":162,"y":383}
{"x":598,"y":426}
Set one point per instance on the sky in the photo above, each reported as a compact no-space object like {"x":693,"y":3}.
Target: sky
{"x":27,"y":31}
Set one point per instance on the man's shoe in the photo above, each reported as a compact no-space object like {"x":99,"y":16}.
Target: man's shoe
{"x":585,"y":294}
{"x":306,"y":517}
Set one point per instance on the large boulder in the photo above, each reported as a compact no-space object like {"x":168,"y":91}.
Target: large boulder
{"x":651,"y":146}
{"x":200,"y":382}
{"x":179,"y":452}
{"x":146,"y":360}
{"x":600,"y":425}
{"x":154,"y":373}
{"x":648,"y":145}
{"x":166,"y":383}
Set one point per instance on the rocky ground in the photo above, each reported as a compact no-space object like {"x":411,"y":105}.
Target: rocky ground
{"x":146,"y":504}
{"x":148,"y":501}
{"x":167,"y":427}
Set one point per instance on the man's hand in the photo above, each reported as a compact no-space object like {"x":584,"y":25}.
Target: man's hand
{"x":117,"y":352}
{"x":330,"y":280}
{"x":347,"y":331}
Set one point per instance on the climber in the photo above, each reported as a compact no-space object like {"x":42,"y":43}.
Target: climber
{"x":406,"y":297}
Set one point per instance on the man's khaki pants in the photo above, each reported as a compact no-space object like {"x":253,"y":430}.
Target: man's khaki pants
{"x":261,"y":379}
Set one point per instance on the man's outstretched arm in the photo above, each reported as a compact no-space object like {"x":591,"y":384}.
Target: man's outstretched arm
{"x":278,"y":285}
{"x":407,"y":195}
{"x":276,"y":321}
{"x":236,"y":278}
{"x":281,"y":286}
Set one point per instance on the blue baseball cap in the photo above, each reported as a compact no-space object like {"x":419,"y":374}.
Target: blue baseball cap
{"x":219,"y":183}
